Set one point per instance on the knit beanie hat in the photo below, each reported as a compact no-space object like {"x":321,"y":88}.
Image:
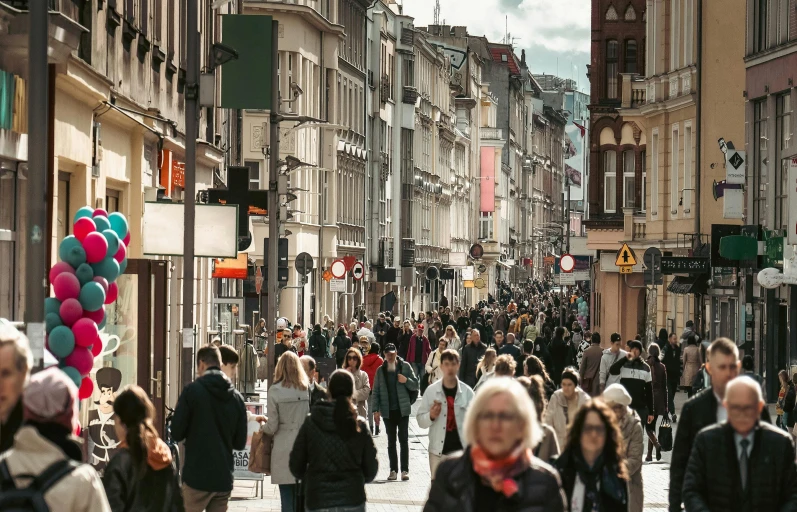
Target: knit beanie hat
{"x":51,"y":397}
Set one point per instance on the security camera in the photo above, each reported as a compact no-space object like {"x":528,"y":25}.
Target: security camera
{"x":296,"y":89}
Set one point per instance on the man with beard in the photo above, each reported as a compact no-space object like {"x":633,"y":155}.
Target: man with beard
{"x":102,"y":432}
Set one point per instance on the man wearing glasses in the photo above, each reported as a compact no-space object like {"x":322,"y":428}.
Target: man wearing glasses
{"x":741,"y":464}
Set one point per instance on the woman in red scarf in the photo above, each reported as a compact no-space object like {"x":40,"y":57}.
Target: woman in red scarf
{"x":498,"y":471}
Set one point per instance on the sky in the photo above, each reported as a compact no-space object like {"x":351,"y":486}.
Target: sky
{"x":554,"y":33}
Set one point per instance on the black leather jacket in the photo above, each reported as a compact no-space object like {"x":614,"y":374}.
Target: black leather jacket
{"x":454,"y":489}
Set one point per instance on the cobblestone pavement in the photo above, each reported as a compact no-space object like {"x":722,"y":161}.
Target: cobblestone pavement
{"x":398,"y":496}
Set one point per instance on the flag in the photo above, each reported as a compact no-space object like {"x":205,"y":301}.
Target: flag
{"x":570,"y":148}
{"x":573,"y":175}
{"x":581,"y":128}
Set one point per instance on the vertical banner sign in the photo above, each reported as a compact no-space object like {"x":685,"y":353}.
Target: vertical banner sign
{"x":487,"y":185}
{"x":246,"y":81}
{"x":792,"y":233}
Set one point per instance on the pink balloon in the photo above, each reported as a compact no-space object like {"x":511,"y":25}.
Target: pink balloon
{"x":96,"y":247}
{"x":96,"y":348}
{"x":113,"y":293}
{"x":84,"y":226}
{"x":81,"y":359}
{"x":71,"y":311}
{"x":85,"y":331}
{"x":121,"y":254}
{"x":60,"y":268}
{"x":86,"y":388}
{"x":96,"y":316}
{"x":103,"y":282}
{"x":127,"y":239}
{"x":99,"y":212}
{"x":66,"y":286}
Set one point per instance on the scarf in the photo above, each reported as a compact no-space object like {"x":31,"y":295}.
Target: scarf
{"x":500,"y":474}
{"x":590,"y":476}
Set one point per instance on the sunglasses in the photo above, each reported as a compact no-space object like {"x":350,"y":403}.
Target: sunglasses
{"x":352,"y":357}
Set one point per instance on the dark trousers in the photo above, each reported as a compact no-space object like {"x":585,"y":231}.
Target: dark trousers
{"x":397,"y":423}
{"x":672,"y":388}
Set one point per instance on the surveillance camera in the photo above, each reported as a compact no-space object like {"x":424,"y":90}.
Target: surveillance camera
{"x":296,"y":89}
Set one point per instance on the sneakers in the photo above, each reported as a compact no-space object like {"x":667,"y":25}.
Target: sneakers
{"x":405,"y":475}
{"x":393,"y":476}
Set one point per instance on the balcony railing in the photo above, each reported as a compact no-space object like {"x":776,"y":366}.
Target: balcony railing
{"x":488,"y":133}
{"x":634,"y":91}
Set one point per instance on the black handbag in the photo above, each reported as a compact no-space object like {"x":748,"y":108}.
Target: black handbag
{"x":665,"y":435}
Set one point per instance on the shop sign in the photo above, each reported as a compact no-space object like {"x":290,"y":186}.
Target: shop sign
{"x":675,"y":265}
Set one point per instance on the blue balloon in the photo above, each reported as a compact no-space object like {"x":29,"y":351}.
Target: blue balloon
{"x":118,"y":224}
{"x":76,"y":256}
{"x":92,"y":296}
{"x":52,"y":305}
{"x":113,"y":241}
{"x":61,"y":341}
{"x":102,"y":223}
{"x":51,"y":321}
{"x":123,"y":266}
{"x":84,"y":273}
{"x":86,"y":211}
{"x":73,"y":374}
{"x":101,"y":325}
{"x":66,"y":245}
{"x":107,"y":268}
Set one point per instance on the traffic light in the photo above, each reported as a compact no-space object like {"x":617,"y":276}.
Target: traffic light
{"x":282,"y":261}
{"x":652,"y":261}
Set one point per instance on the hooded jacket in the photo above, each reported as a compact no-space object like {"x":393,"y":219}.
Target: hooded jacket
{"x":334,"y":470}
{"x":211,"y":418}
{"x":371,"y":363}
{"x":607,"y":360}
{"x":317,"y":344}
{"x":157,"y":490}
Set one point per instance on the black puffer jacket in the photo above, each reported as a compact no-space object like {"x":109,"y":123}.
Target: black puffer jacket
{"x":454,"y":489}
{"x":334,"y":470}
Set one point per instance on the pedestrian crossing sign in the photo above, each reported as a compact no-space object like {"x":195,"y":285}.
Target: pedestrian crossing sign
{"x":625,"y":257}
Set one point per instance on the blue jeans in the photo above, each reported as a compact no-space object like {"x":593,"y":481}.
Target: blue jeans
{"x":288,"y":497}
{"x":419,"y":369}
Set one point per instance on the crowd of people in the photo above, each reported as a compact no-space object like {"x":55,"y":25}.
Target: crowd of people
{"x":526,"y":410}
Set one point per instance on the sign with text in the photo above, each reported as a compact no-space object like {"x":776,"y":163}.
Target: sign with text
{"x":735,"y":167}
{"x":241,"y":457}
{"x":675,"y":265}
{"x":337,"y":285}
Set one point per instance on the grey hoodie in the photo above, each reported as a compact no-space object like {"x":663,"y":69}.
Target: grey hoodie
{"x":607,"y":360}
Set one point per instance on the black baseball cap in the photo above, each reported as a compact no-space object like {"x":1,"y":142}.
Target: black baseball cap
{"x":390,"y":348}
{"x":616,"y":337}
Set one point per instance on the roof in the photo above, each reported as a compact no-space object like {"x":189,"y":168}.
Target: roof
{"x":497,"y":51}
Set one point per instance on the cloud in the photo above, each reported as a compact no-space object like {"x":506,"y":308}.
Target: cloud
{"x":546,"y":29}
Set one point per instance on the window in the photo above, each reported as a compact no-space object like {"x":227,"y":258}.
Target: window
{"x":784,"y":136}
{"x":644,"y":191}
{"x":689,"y":25}
{"x":611,"y":14}
{"x":64,"y":218}
{"x":675,"y":32}
{"x":783,"y":21}
{"x":630,"y":13}
{"x":687,"y":193}
{"x":254,"y":174}
{"x":486,"y":226}
{"x":651,"y":28}
{"x":629,"y":179}
{"x":654,"y":174}
{"x":675,"y":191}
{"x":111,"y":200}
{"x":610,"y":182}
{"x":630,"y":56}
{"x":612,"y":70}
{"x":761,"y":25}
{"x":761,"y":160}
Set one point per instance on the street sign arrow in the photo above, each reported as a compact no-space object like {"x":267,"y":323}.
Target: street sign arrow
{"x":625,"y":257}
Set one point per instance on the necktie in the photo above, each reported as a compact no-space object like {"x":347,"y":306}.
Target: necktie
{"x":743,"y":462}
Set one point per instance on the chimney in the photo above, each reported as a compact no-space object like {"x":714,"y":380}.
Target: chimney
{"x":460,"y":31}
{"x":523,"y":57}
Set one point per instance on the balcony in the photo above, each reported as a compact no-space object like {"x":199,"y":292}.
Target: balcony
{"x":634,"y":91}
{"x":488,"y":133}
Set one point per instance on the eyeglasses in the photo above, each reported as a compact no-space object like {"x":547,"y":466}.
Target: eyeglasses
{"x":352,"y":357}
{"x":747,"y":410}
{"x":599,"y":430}
{"x":501,"y":417}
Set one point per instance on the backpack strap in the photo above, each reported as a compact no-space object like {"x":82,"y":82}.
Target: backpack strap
{"x":53,"y":474}
{"x":6,"y":480}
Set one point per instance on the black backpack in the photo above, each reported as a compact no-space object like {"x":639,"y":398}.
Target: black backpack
{"x":31,"y":498}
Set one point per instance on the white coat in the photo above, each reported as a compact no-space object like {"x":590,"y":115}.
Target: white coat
{"x":287,"y":410}
{"x":433,"y":366}
{"x":437,"y":428}
{"x":559,"y":417}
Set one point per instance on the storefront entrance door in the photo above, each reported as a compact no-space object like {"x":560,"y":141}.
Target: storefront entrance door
{"x":228,"y":315}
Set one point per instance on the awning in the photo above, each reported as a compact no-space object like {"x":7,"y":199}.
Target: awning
{"x":684,"y":285}
{"x":505,"y":265}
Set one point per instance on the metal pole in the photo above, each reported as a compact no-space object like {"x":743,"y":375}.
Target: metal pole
{"x":37,"y":183}
{"x":273,"y":206}
{"x":191,"y":133}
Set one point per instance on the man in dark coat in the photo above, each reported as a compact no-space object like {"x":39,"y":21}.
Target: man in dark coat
{"x":510,"y":349}
{"x":471,"y":354}
{"x":742,"y":464}
{"x":211,"y":418}
{"x":702,"y":410}
{"x":672,"y":361}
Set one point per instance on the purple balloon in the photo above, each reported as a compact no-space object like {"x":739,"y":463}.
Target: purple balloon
{"x":71,"y":311}
{"x":96,"y":247}
{"x":59,"y":268}
{"x":66,"y":286}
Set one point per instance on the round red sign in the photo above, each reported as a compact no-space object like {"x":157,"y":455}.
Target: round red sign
{"x":567,"y":263}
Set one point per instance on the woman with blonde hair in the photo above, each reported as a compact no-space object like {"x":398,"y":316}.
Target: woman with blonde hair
{"x":452,"y":339}
{"x":486,"y":366}
{"x":288,"y":405}
{"x":362,"y":389}
{"x":498,"y":466}
{"x":433,"y":363}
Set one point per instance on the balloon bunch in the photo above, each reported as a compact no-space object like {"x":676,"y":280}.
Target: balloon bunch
{"x":583,"y":312}
{"x":84,"y":281}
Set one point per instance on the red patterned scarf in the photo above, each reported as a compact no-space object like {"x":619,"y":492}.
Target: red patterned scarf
{"x":500,"y":474}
